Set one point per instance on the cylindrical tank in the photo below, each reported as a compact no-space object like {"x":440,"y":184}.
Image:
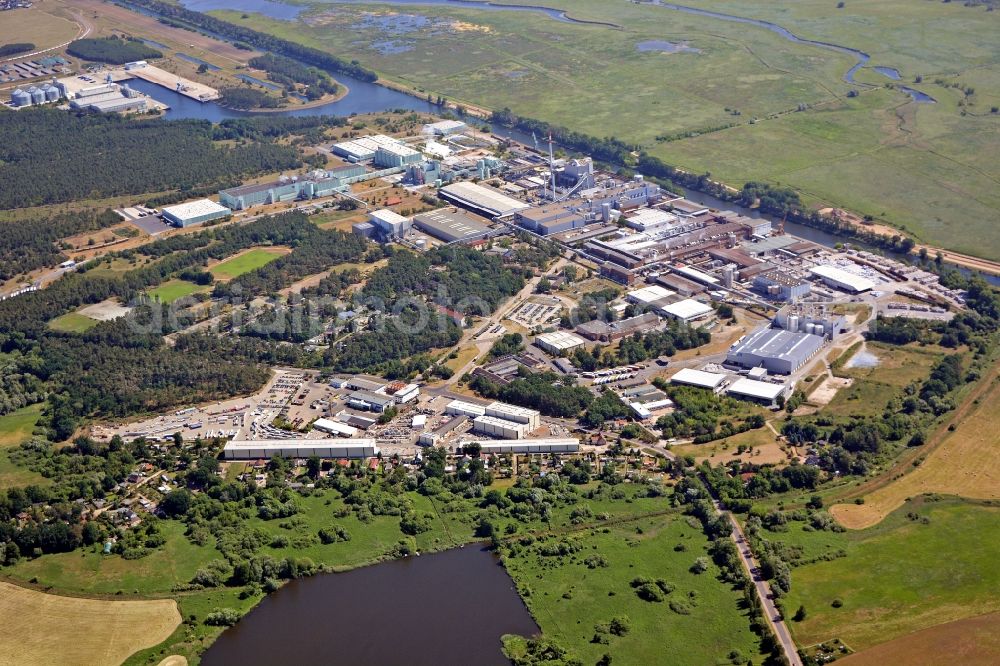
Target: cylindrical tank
{"x":793,"y":323}
{"x":20,"y":98}
{"x":37,"y":96}
{"x":52,"y":94}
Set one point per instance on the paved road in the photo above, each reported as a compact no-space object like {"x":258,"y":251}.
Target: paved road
{"x":752,"y":568}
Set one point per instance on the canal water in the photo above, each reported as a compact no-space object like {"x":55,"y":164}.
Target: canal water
{"x":444,"y":609}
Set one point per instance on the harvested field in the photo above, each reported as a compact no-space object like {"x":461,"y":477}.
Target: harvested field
{"x":971,"y":642}
{"x":966,"y":462}
{"x":42,"y":629}
{"x":824,"y":392}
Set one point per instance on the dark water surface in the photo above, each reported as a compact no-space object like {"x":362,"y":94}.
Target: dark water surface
{"x":444,"y":609}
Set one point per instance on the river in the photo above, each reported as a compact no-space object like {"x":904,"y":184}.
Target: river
{"x":434,"y":610}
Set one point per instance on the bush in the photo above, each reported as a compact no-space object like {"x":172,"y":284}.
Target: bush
{"x":222,"y":617}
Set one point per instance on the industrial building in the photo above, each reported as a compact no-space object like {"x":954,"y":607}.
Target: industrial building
{"x":108,"y":98}
{"x":648,"y":295}
{"x":396,"y":155}
{"x":450,"y":225}
{"x":838,"y":278}
{"x":463,"y":408}
{"x":484,"y":200}
{"x":492,"y":425}
{"x":332,"y":427}
{"x":781,"y":285}
{"x":538,"y":446}
{"x":696,"y":275}
{"x":194,"y":212}
{"x":318,"y":184}
{"x":644,"y":400}
{"x":558,"y":342}
{"x":444,"y":127}
{"x":776,"y":350}
{"x":390,"y":223}
{"x":552,"y":219}
{"x":811,"y":318}
{"x":687,"y":310}
{"x":502,"y":410}
{"x":364,"y":148}
{"x":706,"y":380}
{"x":764,"y":393}
{"x":609,"y":332}
{"x":299,"y":448}
{"x":371,"y":402}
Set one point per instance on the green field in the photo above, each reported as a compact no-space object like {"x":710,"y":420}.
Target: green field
{"x":898,"y":577}
{"x":72,"y":322}
{"x":927,"y":168}
{"x":567,"y":598}
{"x":16,"y":428}
{"x":244,"y":263}
{"x":170,"y":291}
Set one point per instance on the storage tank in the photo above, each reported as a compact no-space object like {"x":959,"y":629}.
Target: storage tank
{"x":52,"y":94}
{"x":37,"y":96}
{"x":793,"y":323}
{"x":20,"y":98}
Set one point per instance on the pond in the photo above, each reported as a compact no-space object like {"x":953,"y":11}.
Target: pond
{"x":445,"y":608}
{"x":862,"y":359}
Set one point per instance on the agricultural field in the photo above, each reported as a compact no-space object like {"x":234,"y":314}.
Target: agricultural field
{"x":36,"y":26}
{"x":965,"y":462}
{"x":971,"y":642}
{"x":172,"y":290}
{"x":40,"y":629}
{"x":73,"y":322}
{"x":700,"y":618}
{"x":930,"y":562}
{"x":733,"y":99}
{"x":246,"y":262}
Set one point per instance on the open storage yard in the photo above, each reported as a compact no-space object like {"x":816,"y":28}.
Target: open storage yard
{"x":41,"y":629}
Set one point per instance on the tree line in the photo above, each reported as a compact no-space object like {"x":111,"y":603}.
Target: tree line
{"x":288,"y":72}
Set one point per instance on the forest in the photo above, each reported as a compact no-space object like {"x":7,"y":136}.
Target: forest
{"x":112,"y":50}
{"x":29,"y":244}
{"x":49,"y":156}
{"x":245,"y":97}
{"x":393,"y":338}
{"x":258,"y":40}
{"x":15,"y":48}
{"x":547,"y":392}
{"x":455,"y":277}
{"x":288,"y":72}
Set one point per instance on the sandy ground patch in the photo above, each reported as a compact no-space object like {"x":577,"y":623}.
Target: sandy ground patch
{"x":39,"y":629}
{"x":827,"y":390}
{"x":105,"y":310}
{"x":174,"y":660}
